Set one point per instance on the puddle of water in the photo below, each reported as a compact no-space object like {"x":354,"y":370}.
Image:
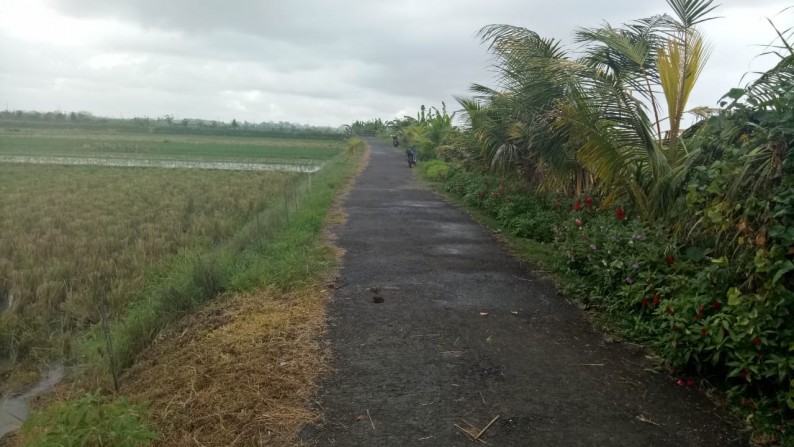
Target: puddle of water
{"x":14,"y":409}
{"x":172,"y":164}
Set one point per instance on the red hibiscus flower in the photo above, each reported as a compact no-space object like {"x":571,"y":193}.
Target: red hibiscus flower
{"x":578,"y":205}
{"x":620,"y":213}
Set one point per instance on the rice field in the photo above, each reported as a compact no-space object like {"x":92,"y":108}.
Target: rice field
{"x":76,"y":240}
{"x":74,"y":143}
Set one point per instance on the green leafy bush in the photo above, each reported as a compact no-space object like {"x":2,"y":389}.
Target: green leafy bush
{"x":89,"y":421}
{"x":435,"y":169}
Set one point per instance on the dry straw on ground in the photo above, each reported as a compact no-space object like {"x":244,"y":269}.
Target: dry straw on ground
{"x":239,"y":372}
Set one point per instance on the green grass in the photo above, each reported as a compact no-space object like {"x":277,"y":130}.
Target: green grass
{"x":173,"y":147}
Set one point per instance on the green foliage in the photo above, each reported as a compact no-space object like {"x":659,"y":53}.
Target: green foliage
{"x":370,"y":128}
{"x":89,"y":421}
{"x":435,"y":169}
{"x":354,"y":147}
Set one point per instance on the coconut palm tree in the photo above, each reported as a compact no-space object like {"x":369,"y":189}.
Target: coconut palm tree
{"x":595,"y":120}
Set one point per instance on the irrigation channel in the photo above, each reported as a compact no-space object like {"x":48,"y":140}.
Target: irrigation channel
{"x":14,"y":409}
{"x":305,"y":166}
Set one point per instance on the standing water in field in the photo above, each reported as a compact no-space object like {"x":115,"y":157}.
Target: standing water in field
{"x":174,"y":164}
{"x":14,"y":409}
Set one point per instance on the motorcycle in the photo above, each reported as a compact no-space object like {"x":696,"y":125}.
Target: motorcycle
{"x":411,"y":157}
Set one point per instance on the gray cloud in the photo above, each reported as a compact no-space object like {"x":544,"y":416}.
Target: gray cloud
{"x":307,"y":61}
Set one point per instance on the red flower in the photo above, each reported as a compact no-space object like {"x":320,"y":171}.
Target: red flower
{"x":620,"y":213}
{"x":756,"y":341}
{"x":669,"y":260}
{"x":703,"y":332}
{"x":578,"y":222}
{"x":701,"y":308}
{"x":716,"y":305}
{"x":588,"y":201}
{"x":697,"y":316}
{"x":645,"y":302}
{"x":578,"y":205}
{"x":745,"y":373}
{"x":655,"y":299}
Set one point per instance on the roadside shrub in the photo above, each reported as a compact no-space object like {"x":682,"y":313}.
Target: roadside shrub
{"x":435,"y":169}
{"x":354,"y":146}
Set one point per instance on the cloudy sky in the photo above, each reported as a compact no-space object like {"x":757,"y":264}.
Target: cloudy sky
{"x":305,"y":61}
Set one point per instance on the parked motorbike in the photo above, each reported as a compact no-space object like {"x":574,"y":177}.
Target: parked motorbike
{"x":411,"y":157}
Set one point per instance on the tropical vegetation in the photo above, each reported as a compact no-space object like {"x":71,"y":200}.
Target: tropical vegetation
{"x":681,"y":234}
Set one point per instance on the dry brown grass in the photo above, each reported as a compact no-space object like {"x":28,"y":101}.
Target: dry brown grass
{"x":239,"y":372}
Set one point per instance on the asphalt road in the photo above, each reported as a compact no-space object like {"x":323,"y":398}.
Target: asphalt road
{"x":465,"y":333}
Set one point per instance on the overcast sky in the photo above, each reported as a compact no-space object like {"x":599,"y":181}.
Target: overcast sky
{"x":305,"y":61}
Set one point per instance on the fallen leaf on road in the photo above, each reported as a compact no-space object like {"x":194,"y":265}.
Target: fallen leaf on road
{"x":483,"y":314}
{"x":515,"y":312}
{"x":361,"y":417}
